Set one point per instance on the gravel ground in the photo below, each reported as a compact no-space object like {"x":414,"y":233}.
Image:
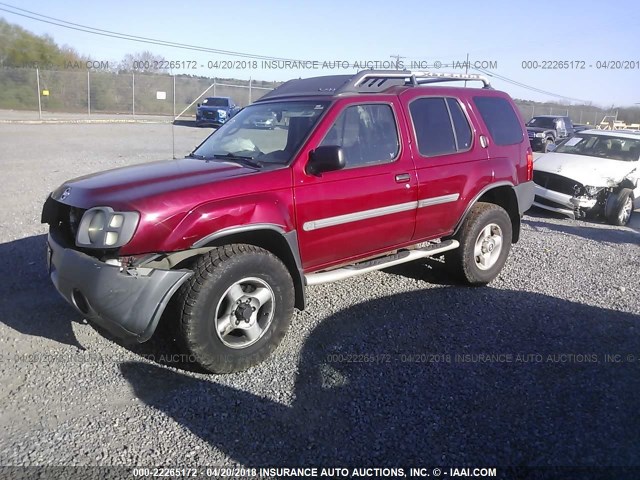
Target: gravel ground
{"x":394,"y":368}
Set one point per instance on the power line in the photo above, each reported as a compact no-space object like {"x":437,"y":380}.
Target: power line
{"x":134,"y":38}
{"x":528,"y":87}
{"x":123,"y":36}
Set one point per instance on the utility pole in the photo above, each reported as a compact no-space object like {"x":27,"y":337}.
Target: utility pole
{"x":397,"y":57}
{"x":466,"y":69}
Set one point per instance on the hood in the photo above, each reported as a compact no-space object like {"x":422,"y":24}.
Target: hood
{"x":538,"y":129}
{"x":130,"y":187}
{"x":592,"y":171}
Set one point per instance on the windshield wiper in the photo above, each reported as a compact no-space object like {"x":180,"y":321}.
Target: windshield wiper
{"x":248,"y":161}
{"x":239,"y":159}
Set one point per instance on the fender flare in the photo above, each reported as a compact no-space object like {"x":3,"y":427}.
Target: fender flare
{"x":293,"y":264}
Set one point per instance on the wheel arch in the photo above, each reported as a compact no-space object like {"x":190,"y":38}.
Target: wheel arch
{"x":503,"y":195}
{"x":627,"y":183}
{"x":272,"y":238}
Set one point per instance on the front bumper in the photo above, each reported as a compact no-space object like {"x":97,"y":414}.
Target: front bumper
{"x":561,"y":202}
{"x":126,"y":302}
{"x":537,"y":143}
{"x":210,"y":118}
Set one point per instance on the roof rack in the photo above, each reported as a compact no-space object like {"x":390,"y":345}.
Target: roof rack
{"x":377,"y":80}
{"x":366,"y":81}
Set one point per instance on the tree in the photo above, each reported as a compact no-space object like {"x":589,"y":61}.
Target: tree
{"x":143,"y":62}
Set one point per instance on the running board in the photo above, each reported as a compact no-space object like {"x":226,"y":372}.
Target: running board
{"x":403,"y":256}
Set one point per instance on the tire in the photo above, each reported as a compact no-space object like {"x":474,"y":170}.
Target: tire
{"x":619,"y":207}
{"x":547,"y":143}
{"x":485,"y":225}
{"x":236,"y":308}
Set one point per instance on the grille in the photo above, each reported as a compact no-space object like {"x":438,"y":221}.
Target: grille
{"x":67,"y":221}
{"x":557,"y":183}
{"x":531,"y":134}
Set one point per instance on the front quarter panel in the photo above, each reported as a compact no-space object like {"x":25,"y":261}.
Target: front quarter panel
{"x":265,"y":197}
{"x":273,"y":208}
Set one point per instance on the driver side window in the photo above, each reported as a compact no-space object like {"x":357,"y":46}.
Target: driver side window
{"x":367,"y":134}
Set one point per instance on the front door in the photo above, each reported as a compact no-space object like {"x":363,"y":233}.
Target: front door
{"x":369,"y":206}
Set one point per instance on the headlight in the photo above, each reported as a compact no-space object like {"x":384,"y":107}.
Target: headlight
{"x":101,"y":227}
{"x":222,"y":113}
{"x":540,"y":135}
{"x":591,"y":191}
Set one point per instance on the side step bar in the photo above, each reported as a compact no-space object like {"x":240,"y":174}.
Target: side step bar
{"x":403,"y":256}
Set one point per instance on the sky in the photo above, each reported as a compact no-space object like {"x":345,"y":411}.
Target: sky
{"x":512,"y":40}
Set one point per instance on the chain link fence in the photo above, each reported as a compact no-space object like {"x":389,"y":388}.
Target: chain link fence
{"x":51,"y":92}
{"x":581,"y":114}
{"x":48,"y":92}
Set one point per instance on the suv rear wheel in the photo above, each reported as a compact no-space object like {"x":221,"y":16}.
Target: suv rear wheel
{"x":236,"y":308}
{"x":485,"y":241}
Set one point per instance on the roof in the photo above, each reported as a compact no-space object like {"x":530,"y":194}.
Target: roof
{"x":366,"y":81}
{"x":549,"y":116}
{"x":634,"y":134}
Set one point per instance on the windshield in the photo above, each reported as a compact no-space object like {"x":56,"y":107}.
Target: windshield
{"x":542,"y":122}
{"x":216,"y":102}
{"x":275,"y":142}
{"x":605,"y":146}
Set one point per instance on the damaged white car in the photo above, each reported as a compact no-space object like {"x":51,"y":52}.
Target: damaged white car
{"x":595,"y":173}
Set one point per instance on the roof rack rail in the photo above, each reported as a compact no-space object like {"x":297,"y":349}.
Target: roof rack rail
{"x":366,"y":81}
{"x":378,"y":80}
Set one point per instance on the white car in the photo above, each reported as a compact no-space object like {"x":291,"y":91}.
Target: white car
{"x":593,"y":172}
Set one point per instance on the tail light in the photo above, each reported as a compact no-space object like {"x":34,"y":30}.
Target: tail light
{"x":529,"y":165}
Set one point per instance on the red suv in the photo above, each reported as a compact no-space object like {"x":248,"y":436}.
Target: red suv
{"x":360,"y":173}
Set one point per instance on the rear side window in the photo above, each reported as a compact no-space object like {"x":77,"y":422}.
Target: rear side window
{"x":440,"y":126}
{"x":460,"y":124}
{"x":500,"y":119}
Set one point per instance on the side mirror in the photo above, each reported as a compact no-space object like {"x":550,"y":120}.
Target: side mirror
{"x":197,"y":104}
{"x":325,"y":159}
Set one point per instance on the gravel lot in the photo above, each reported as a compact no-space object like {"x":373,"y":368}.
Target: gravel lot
{"x":374,"y":373}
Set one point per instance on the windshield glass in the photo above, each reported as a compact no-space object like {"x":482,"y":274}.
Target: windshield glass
{"x":216,"y":102}
{"x":605,"y":146}
{"x":542,"y":122}
{"x":248,"y":135}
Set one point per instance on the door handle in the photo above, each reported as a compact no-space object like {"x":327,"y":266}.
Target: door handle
{"x":403,"y":177}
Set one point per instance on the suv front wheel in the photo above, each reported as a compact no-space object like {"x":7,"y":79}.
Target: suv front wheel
{"x":236,"y":308}
{"x":485,"y":241}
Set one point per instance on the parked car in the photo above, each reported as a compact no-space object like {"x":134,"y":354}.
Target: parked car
{"x":215,"y":111}
{"x":372,"y":170}
{"x":546,"y":130}
{"x":594,"y":172}
{"x":267,"y":120}
{"x":578,"y":127}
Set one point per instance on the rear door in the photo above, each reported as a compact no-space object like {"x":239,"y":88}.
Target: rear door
{"x":449,"y":158}
{"x":368,"y":207}
{"x":507,"y":143}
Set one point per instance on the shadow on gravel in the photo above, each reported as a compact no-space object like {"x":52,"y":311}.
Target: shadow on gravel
{"x":185,"y":123}
{"x":427,"y":270}
{"x":30,"y":303}
{"x":606,"y":233}
{"x":387,"y":383}
{"x":190,"y":123}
